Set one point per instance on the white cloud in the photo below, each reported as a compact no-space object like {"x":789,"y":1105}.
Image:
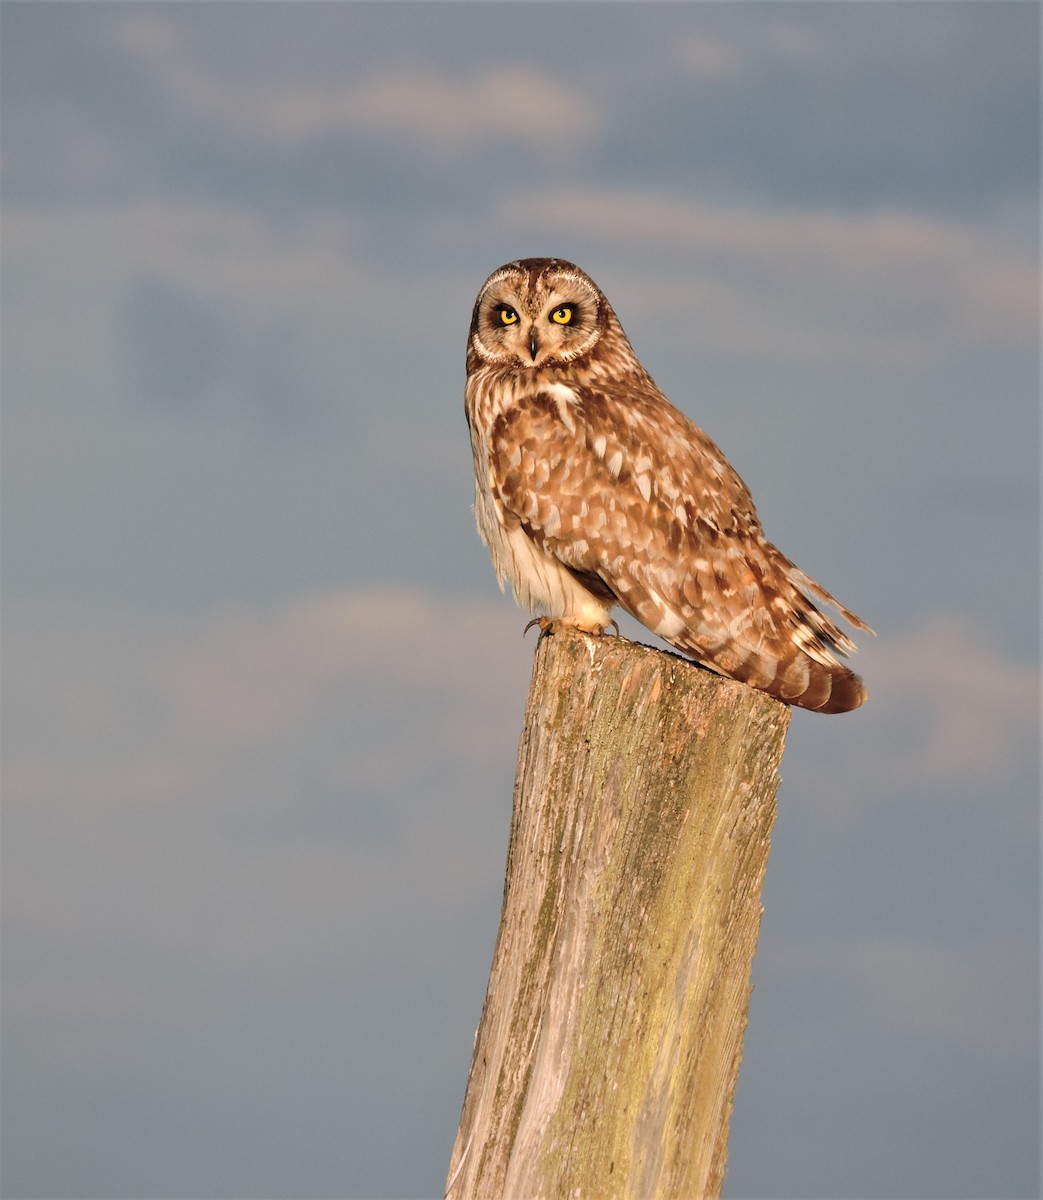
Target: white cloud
{"x":949,"y":734}
{"x":153,"y":710}
{"x":707,"y":56}
{"x":247,"y":676}
{"x":752,"y":44}
{"x":211,"y":791}
{"x":509,"y":104}
{"x":144,"y":712}
{"x":974,"y":710}
{"x":436,"y":113}
{"x":370,"y":693}
{"x":223,"y":251}
{"x":826,"y":284}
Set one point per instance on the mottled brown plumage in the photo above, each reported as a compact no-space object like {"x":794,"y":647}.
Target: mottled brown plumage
{"x":591,"y":490}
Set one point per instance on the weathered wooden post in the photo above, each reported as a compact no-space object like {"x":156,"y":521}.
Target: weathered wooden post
{"x":609,"y":1045}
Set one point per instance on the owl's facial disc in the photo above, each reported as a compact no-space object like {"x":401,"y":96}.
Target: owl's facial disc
{"x":535,"y":313}
{"x":524,"y":322}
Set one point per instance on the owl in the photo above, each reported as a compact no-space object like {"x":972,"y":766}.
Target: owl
{"x":592,"y":490}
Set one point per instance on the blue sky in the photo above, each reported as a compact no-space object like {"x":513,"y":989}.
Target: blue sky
{"x":262,"y":697}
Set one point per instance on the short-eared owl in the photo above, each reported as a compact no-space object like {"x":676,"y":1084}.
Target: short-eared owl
{"x":592,"y":490}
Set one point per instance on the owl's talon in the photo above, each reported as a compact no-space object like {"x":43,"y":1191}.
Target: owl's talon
{"x":546,"y":627}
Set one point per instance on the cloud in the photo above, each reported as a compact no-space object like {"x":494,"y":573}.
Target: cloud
{"x":245,"y":676}
{"x":821,"y":284}
{"x":198,"y":308}
{"x":932,"y":786}
{"x":437,"y":114}
{"x":213,"y":248}
{"x":254,"y":269}
{"x":950,"y":707}
{"x":747,"y":46}
{"x":369,"y":696}
{"x":208,"y":792}
{"x":504,"y":105}
{"x":130,"y":697}
{"x":707,"y":56}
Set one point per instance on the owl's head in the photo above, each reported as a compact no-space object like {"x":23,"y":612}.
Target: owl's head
{"x":538,"y":312}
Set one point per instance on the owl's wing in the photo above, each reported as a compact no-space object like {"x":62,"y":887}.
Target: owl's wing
{"x":621,"y":487}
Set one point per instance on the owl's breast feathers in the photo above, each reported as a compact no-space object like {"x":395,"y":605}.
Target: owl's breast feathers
{"x":639,"y":506}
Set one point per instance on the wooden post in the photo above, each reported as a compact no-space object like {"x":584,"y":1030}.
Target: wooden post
{"x":609,"y":1045}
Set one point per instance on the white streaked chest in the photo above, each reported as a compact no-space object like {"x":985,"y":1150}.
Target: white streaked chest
{"x":539,"y":581}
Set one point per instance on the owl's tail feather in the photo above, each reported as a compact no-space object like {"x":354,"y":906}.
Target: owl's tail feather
{"x":798,"y":665}
{"x":816,"y":682}
{"x":804,"y":681}
{"x":808,"y":584}
{"x":830,"y":690}
{"x":820,"y":683}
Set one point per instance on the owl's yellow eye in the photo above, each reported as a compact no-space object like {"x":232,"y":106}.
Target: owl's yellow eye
{"x":562,"y":316}
{"x":507,"y":315}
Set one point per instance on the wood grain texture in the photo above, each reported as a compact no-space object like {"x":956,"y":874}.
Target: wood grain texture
{"x":609,"y":1044}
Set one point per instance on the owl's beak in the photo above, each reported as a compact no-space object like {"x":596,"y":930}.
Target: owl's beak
{"x":534,"y":343}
